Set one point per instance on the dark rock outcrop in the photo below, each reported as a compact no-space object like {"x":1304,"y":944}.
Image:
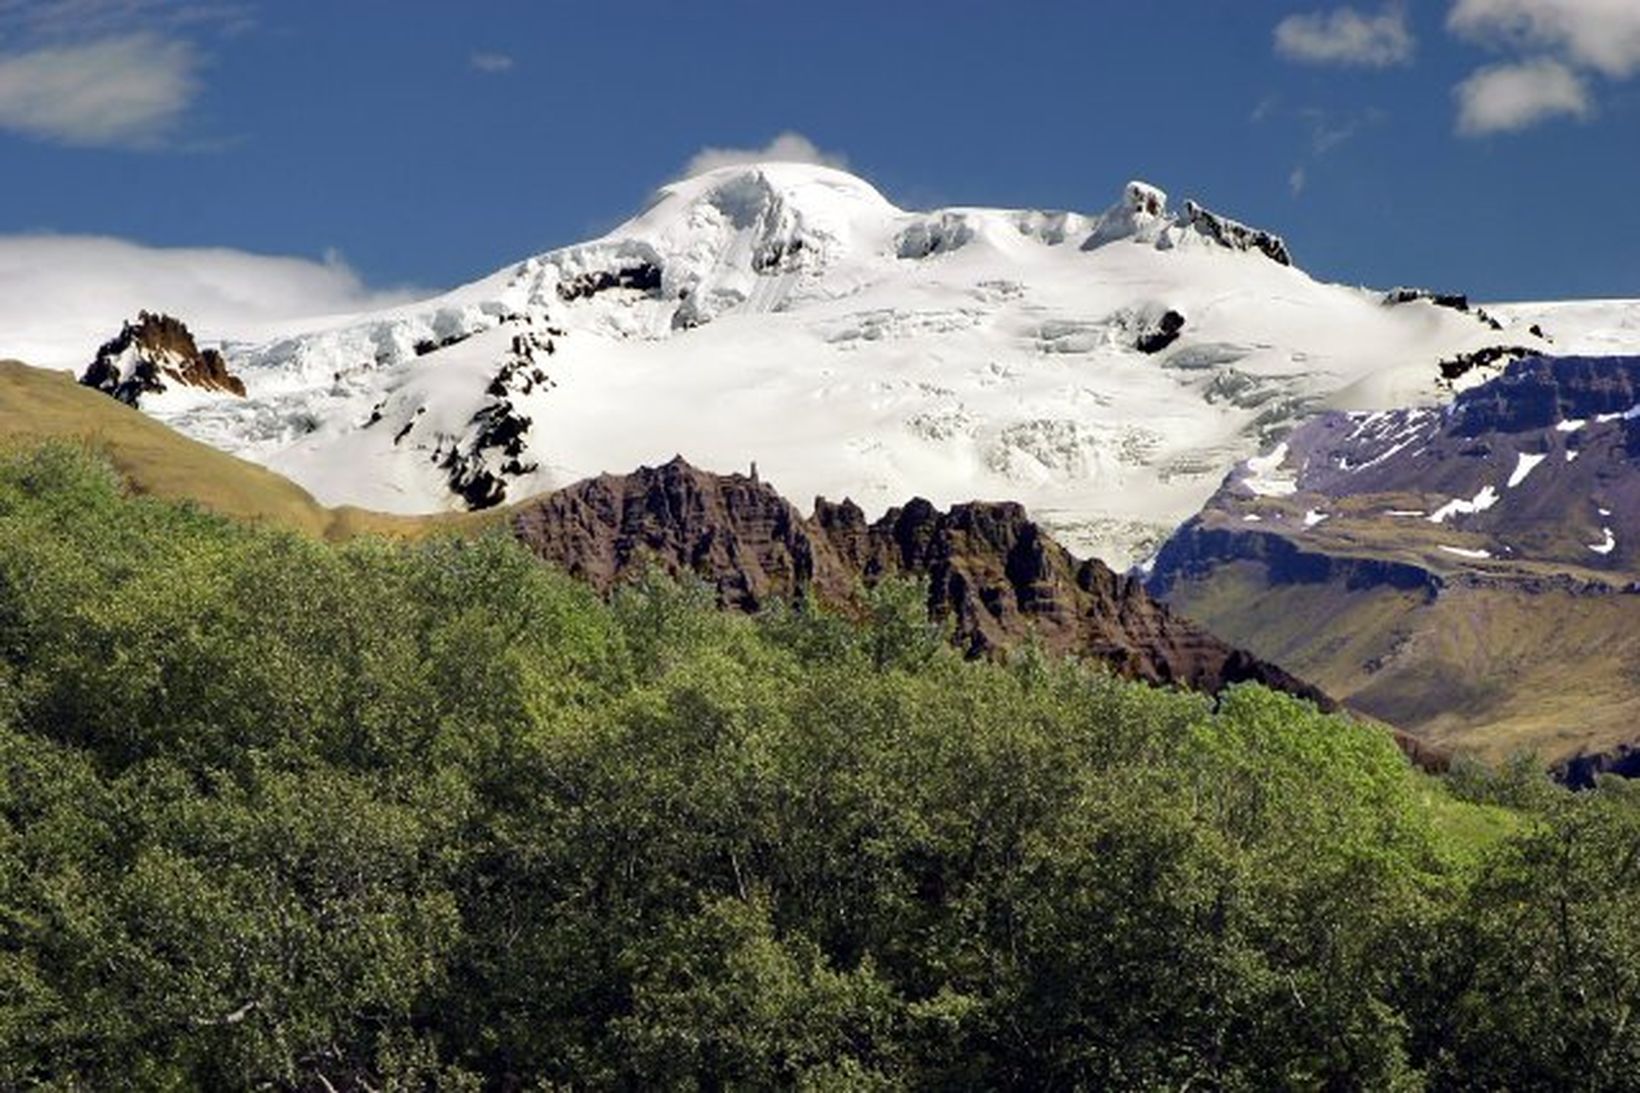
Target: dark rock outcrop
{"x":1236,"y":235}
{"x":997,"y":576}
{"x":1456,"y":301}
{"x":1490,"y":357}
{"x":1163,"y":334}
{"x":643,"y":277}
{"x":149,"y":353}
{"x":495,"y":452}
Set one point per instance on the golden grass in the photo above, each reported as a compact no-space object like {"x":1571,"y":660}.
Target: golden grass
{"x":37,"y":404}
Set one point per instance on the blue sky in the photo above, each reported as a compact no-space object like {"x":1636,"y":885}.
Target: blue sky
{"x":1490,"y":146}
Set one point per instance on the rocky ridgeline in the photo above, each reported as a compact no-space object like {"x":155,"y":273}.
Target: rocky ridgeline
{"x":997,"y":576}
{"x":1237,"y":236}
{"x":152,"y":352}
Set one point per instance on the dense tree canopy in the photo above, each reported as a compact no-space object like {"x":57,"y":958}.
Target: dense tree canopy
{"x":281,"y":814}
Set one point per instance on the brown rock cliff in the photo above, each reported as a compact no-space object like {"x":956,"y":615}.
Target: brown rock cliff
{"x":999,"y":577}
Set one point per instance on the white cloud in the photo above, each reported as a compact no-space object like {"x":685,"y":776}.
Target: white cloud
{"x":1508,"y":97}
{"x":1600,"y":34}
{"x":788,"y":147}
{"x":122,"y":91}
{"x":1345,"y":36}
{"x":62,"y":295}
{"x":1298,"y":180}
{"x":494,"y":63}
{"x":83,"y":19}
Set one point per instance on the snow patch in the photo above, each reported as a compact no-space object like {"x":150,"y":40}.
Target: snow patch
{"x":1459,"y":507}
{"x":1524,"y":466}
{"x":1263,"y":479}
{"x":1312,"y":518}
{"x":1606,"y":545}
{"x":1464,"y":552}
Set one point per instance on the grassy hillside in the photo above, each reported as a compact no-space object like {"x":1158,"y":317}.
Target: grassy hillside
{"x":1490,"y":670}
{"x":38,"y":404}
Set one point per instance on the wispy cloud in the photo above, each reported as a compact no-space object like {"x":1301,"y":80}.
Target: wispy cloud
{"x":127,"y":91}
{"x":1508,"y":97}
{"x":61,"y":295}
{"x":788,"y":147}
{"x":1345,"y":36}
{"x":1326,"y":132}
{"x":106,"y":73}
{"x":491,"y":63}
{"x":87,"y":19}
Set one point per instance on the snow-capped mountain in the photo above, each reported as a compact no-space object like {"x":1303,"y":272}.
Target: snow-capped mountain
{"x":1105,"y":370}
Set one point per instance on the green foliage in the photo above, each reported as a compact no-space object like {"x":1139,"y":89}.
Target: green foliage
{"x":275,"y":813}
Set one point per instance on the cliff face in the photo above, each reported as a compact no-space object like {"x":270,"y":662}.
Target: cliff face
{"x":995,"y":574}
{"x":151,"y":351}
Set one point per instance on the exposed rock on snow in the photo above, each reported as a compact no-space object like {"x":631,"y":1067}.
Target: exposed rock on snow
{"x":1163,"y":334}
{"x":1457,"y":301}
{"x":1484,"y":362}
{"x":1237,"y":236}
{"x":151,"y":351}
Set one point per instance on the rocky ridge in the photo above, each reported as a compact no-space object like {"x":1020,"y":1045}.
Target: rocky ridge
{"x":152,"y":350}
{"x":997,"y":576}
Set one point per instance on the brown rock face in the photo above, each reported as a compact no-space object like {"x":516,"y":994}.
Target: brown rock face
{"x":154,"y":349}
{"x":999,"y":577}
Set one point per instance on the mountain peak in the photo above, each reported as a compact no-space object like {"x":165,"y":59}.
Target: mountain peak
{"x":149,"y":351}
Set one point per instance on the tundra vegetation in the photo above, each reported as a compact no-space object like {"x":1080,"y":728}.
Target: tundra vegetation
{"x":278,"y":813}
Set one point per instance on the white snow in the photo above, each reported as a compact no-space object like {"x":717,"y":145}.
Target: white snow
{"x":1482,"y":501}
{"x":1263,"y":477}
{"x":1312,"y":518}
{"x":1524,"y":466}
{"x":853,"y":349}
{"x":1464,"y":552}
{"x":1605,"y":512}
{"x":1606,"y":545}
{"x":1252,"y":518}
{"x":1578,"y":327}
{"x":1571,"y":425}
{"x":1626,"y":415}
{"x":1406,"y":512}
{"x":1571,"y":456}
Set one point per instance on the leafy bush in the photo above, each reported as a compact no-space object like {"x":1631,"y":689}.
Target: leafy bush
{"x":423,"y":816}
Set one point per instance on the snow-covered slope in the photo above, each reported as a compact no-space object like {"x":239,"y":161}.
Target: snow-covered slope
{"x":1105,"y":370}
